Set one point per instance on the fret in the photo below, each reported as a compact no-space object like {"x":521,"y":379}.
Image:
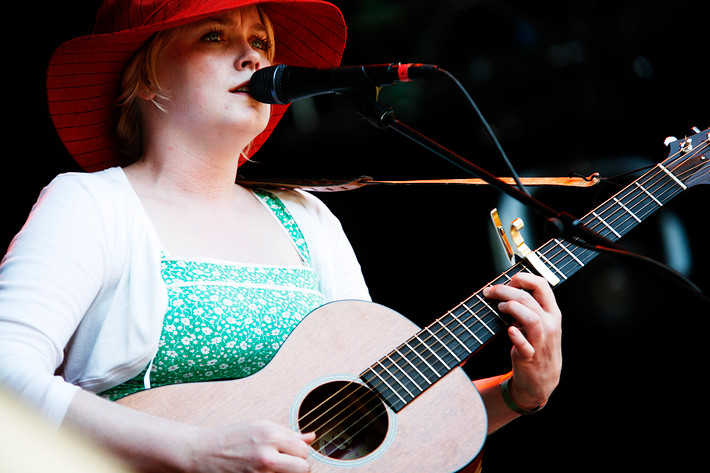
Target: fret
{"x":574,"y":257}
{"x":444,"y":344}
{"x":472,"y":322}
{"x":416,"y":365}
{"x":423,"y":359}
{"x":567,"y":258}
{"x":476,"y":315}
{"x":648,"y":193}
{"x":391,"y":375}
{"x":663,"y":186}
{"x":552,"y":265}
{"x":609,"y":227}
{"x":458,"y":341}
{"x":672,"y":176}
{"x":634,"y":201}
{"x":627,"y":210}
{"x":456,"y":336}
{"x":432,"y":351}
{"x":641,"y":205}
{"x":613,"y":219}
{"x":466,"y":328}
{"x":407,"y":373}
{"x":379,"y":384}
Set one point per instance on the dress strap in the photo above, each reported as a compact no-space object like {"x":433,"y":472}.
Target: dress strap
{"x":281,"y":213}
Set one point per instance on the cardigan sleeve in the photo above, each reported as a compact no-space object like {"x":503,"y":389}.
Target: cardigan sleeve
{"x":81,"y":297}
{"x":48,"y":279}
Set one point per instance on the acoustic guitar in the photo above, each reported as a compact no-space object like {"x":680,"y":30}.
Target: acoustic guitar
{"x":384,"y":395}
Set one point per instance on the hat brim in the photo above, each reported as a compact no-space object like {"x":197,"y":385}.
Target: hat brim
{"x":84,"y":74}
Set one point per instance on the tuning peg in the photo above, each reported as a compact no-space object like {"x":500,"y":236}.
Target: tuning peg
{"x":669,"y":140}
{"x":695,"y":129}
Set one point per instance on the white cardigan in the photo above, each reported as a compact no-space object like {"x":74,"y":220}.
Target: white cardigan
{"x":81,"y":296}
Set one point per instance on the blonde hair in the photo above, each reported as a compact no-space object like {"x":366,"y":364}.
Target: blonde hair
{"x":140,"y":79}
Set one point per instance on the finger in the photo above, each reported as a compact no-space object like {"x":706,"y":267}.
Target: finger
{"x":522,"y":348}
{"x":528,"y":322}
{"x":515,"y":301}
{"x":508,"y":292}
{"x":287,"y":463}
{"x":538,"y":287}
{"x":308,"y":437}
{"x":295,"y":443}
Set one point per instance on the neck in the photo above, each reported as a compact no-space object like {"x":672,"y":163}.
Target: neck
{"x":194,"y":170}
{"x":196,"y":179}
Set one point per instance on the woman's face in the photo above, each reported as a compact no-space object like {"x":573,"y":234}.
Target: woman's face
{"x":204,"y":70}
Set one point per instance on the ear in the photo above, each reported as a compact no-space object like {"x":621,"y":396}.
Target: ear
{"x":146,"y":92}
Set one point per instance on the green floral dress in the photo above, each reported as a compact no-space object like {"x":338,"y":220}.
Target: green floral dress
{"x":227,"y":320}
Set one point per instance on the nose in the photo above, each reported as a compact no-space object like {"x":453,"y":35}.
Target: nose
{"x":249,"y":58}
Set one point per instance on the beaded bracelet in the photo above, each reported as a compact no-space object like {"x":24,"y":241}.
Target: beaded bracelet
{"x":505,"y":390}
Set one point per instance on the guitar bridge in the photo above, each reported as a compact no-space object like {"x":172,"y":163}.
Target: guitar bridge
{"x":519,"y":250}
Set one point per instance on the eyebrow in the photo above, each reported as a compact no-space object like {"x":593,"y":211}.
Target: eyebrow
{"x":227,"y":21}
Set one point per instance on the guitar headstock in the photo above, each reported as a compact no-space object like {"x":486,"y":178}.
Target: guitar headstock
{"x":689,"y":158}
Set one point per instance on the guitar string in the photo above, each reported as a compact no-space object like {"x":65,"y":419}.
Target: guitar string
{"x":393,"y":364}
{"x":635,"y":207}
{"x":618,"y":194}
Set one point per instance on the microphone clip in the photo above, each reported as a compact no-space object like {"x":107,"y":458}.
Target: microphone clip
{"x":380,"y":115}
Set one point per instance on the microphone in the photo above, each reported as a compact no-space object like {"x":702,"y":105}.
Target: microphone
{"x":285,"y":84}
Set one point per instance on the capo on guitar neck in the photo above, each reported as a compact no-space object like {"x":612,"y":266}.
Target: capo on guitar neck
{"x":519,"y":250}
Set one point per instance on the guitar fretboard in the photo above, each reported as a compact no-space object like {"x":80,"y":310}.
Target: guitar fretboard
{"x":443,"y":345}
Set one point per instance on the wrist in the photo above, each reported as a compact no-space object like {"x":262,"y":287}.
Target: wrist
{"x":506,"y":387}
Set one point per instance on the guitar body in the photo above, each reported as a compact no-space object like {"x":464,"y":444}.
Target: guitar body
{"x":442,"y":430}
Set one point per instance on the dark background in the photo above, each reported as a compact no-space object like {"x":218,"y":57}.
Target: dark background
{"x":579,"y":86}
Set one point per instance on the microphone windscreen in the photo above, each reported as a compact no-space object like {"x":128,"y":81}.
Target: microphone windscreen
{"x":265,"y":83}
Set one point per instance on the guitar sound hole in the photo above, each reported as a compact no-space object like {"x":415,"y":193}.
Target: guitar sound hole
{"x":349,"y":419}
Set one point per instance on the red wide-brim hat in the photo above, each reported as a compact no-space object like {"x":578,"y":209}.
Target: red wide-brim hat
{"x":84,"y":74}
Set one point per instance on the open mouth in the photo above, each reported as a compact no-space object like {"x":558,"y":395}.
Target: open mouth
{"x":244,"y":88}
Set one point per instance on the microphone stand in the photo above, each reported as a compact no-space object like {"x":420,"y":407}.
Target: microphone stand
{"x":558,"y":224}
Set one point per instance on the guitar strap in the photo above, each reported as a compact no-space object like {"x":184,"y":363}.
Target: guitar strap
{"x":328,"y":185}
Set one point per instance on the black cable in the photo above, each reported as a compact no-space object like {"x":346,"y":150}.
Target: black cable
{"x":488,"y":129}
{"x":618,"y":251}
{"x":669,"y":273}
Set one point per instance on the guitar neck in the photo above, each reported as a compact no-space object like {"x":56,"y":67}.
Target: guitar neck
{"x":443,"y":345}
